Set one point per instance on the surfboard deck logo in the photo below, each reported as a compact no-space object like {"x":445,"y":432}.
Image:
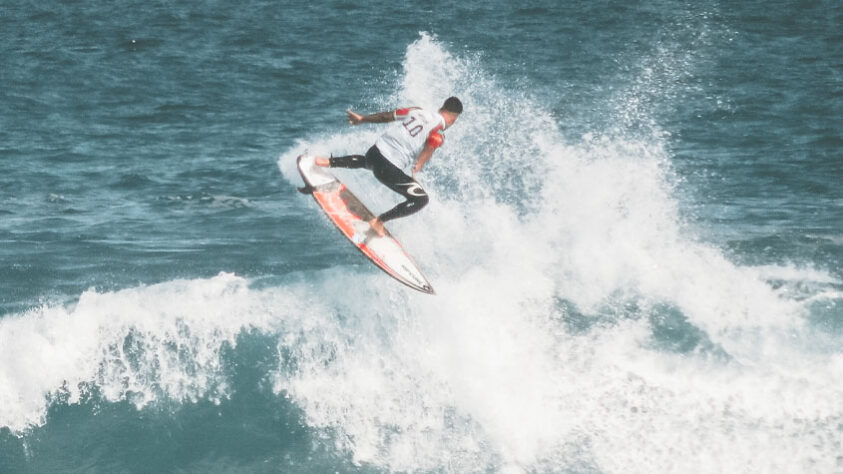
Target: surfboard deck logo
{"x":352,"y":219}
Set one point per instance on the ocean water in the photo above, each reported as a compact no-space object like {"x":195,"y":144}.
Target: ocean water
{"x":635,"y":233}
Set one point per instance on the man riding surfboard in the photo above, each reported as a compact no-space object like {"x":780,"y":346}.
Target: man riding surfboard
{"x":408,"y":143}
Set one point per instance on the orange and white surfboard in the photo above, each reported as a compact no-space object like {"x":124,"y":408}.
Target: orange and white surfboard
{"x":352,"y":219}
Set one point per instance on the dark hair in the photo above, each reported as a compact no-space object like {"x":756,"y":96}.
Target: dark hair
{"x":452,"y":105}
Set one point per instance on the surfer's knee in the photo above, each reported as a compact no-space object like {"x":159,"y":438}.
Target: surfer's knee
{"x":419,"y":201}
{"x":416,"y":196}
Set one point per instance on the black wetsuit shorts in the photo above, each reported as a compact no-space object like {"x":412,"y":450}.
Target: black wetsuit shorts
{"x":392,"y":177}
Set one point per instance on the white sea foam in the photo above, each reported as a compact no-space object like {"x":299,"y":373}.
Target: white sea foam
{"x":551,"y":258}
{"x":135,"y":344}
{"x":486,"y":373}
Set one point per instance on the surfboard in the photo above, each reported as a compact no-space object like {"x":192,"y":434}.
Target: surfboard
{"x":352,"y":218}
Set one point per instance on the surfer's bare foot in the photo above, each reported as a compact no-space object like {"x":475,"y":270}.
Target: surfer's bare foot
{"x":377,"y":226}
{"x":325,"y":162}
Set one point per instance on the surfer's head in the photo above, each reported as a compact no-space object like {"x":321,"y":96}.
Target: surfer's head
{"x":451,"y":110}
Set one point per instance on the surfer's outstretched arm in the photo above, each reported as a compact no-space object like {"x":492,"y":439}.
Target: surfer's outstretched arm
{"x":381,"y":117}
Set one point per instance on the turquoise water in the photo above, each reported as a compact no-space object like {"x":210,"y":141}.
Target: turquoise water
{"x":635,"y":233}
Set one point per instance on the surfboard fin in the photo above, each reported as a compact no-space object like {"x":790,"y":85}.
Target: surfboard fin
{"x":306,"y":189}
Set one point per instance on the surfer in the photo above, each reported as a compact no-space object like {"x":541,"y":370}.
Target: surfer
{"x":410,"y":142}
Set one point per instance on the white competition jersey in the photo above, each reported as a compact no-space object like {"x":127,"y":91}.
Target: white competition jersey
{"x":404,"y":140}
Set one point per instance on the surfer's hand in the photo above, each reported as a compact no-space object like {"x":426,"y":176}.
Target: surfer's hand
{"x":353,"y":118}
